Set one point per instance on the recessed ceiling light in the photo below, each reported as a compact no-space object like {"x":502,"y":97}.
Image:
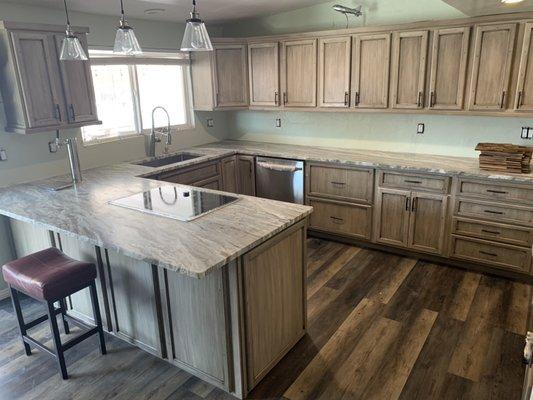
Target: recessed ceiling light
{"x":154,"y":11}
{"x":512,"y":1}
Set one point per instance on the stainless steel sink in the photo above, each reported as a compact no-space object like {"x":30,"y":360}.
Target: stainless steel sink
{"x":161,"y":161}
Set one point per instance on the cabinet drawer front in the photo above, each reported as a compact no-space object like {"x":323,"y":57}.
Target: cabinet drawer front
{"x":495,"y":212}
{"x":496,"y":254}
{"x":498,"y":232}
{"x":411,"y":181}
{"x":499,"y":192}
{"x":190,"y":175}
{"x":342,"y":183}
{"x":352,"y":220}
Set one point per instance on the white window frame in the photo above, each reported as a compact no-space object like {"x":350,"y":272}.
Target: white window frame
{"x":106,"y":57}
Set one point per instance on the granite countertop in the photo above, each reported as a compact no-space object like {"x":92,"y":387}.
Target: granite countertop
{"x":425,"y":163}
{"x":194,"y":248}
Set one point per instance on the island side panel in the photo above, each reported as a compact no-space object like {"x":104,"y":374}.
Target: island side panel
{"x":274,"y":292}
{"x":29,"y":238}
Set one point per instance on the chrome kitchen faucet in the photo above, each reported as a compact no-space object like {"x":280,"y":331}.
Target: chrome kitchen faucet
{"x":152,"y":139}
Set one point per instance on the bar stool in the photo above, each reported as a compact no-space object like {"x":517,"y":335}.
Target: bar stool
{"x":49,"y":276}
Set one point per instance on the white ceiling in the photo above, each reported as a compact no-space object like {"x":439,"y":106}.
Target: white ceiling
{"x":486,"y":7}
{"x":177,"y":10}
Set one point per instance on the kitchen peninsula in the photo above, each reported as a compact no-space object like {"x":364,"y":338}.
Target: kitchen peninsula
{"x":206,"y":295}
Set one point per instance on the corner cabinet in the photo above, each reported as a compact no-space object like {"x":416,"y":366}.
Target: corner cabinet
{"x":40,"y":92}
{"x":219,"y":78}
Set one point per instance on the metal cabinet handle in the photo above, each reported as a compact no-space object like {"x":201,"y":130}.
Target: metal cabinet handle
{"x":284,"y":98}
{"x":497,"y":191}
{"x":415,"y":204}
{"x":346,"y":99}
{"x":276,"y":98}
{"x":217,"y":97}
{"x":338,"y":183}
{"x":491,"y":232}
{"x":57,"y":112}
{"x":432,"y":99}
{"x":72,"y":112}
{"x":502,"y":103}
{"x":487,"y":253}
{"x":407,"y":204}
{"x":494,"y":212}
{"x":419,"y":100}
{"x":337,"y":220}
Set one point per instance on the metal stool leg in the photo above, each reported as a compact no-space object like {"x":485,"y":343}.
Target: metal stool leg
{"x":63,"y":306}
{"x":57,"y":340}
{"x":97,"y":317}
{"x":22,"y":326}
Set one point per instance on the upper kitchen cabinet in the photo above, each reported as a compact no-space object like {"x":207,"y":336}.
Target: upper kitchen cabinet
{"x":263,"y":72}
{"x":370,"y":76}
{"x":491,"y":70}
{"x":219,"y":78}
{"x":409,"y":69}
{"x":40,"y":92}
{"x":334,"y":72}
{"x":524,"y":89}
{"x":299,"y":72}
{"x":449,"y":58}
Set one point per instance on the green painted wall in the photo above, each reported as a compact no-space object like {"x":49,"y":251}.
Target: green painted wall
{"x":448,"y":135}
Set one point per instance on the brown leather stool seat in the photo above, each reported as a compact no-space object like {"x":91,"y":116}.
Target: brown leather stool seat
{"x":48,"y":274}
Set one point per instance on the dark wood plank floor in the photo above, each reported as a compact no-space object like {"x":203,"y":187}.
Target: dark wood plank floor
{"x":381,"y":326}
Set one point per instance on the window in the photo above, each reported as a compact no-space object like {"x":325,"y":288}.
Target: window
{"x":128,"y":89}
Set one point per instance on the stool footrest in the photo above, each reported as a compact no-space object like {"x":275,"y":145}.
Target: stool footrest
{"x":37,"y":321}
{"x":39,"y":345}
{"x":80,"y":338}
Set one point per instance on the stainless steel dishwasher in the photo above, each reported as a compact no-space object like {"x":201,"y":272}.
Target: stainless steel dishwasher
{"x":280,"y":179}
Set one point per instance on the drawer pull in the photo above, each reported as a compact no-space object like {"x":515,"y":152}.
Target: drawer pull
{"x":494,"y":212}
{"x":497,"y":191}
{"x":337,"y":220}
{"x":487,"y":253}
{"x":491,"y":232}
{"x":411,"y":181}
{"x":338,"y":183}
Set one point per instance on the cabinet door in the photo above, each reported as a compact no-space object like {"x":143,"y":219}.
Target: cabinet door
{"x":370,"y":77}
{"x":77,"y":85}
{"x":409,"y":69}
{"x":426,"y":226}
{"x":448,"y":68}
{"x":298,"y":73}
{"x":38,"y":70}
{"x":524,"y":89}
{"x":491,"y":69}
{"x":263,"y":69}
{"x":246,"y":175}
{"x":334,"y":72}
{"x":228,"y":167}
{"x":392,"y":216}
{"x":230,"y":74}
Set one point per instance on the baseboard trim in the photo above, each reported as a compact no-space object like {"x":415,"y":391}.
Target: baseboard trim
{"x":4,"y":293}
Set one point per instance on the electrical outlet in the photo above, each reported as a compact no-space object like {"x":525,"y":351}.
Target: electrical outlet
{"x":3,"y":155}
{"x":52,"y":147}
{"x":278,"y":122}
{"x":420,"y":128}
{"x":525,"y":132}
{"x":210,"y":122}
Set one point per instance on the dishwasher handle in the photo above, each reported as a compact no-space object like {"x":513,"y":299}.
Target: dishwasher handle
{"x":278,"y":167}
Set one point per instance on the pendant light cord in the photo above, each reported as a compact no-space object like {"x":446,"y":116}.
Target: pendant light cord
{"x":66,"y":12}
{"x":122,"y":8}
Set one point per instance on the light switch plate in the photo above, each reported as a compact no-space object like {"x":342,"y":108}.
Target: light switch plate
{"x":525,"y":132}
{"x":530,"y":133}
{"x":420,"y":128}
{"x":3,"y":155}
{"x":210,"y":122}
{"x":278,"y":122}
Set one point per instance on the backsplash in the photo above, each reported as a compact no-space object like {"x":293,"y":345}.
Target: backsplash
{"x":444,"y":135}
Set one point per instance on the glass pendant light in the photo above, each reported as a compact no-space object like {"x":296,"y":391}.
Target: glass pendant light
{"x":71,"y":49}
{"x":195,"y":37}
{"x":125,"y":40}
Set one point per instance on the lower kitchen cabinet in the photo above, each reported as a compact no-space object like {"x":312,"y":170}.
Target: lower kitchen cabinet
{"x":246,"y":175}
{"x":415,"y":220}
{"x":228,"y":166}
{"x":354,"y":220}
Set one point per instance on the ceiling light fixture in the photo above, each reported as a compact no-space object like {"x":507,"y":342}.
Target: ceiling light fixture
{"x":71,"y":49}
{"x":195,"y":37}
{"x":356,"y":12}
{"x":154,"y":11}
{"x":125,"y":40}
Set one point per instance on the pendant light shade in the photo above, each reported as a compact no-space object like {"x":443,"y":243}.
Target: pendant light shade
{"x":71,"y":49}
{"x":195,"y":37}
{"x":126,"y":42}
